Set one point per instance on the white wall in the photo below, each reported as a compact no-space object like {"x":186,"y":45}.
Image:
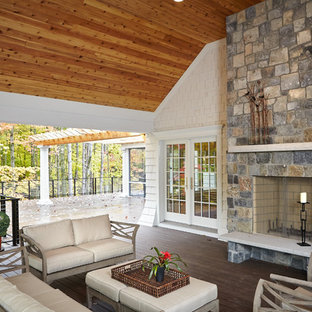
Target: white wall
{"x":197,"y":100}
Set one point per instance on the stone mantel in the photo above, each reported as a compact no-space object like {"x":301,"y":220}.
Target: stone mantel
{"x":282,"y":147}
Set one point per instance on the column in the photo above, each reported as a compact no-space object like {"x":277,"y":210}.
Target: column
{"x":44,"y":176}
{"x":125,"y":171}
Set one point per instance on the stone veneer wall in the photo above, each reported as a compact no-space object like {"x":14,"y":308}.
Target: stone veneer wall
{"x":270,"y":42}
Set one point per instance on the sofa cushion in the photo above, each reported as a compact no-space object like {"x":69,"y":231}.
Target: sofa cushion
{"x":101,"y":281}
{"x":52,"y":235}
{"x":22,"y":282}
{"x":58,"y":301}
{"x":91,"y":229}
{"x":13,"y":300}
{"x":187,"y":298}
{"x":108,"y":248}
{"x":62,"y":259}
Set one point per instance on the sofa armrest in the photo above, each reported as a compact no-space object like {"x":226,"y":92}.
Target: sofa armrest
{"x":125,"y":230}
{"x":35,"y":249}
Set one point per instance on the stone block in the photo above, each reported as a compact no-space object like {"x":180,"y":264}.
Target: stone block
{"x":248,"y":49}
{"x":263,"y":64}
{"x":290,"y":117}
{"x":290,"y":4}
{"x":238,"y":109}
{"x":288,"y":17}
{"x":237,"y":36}
{"x":304,"y":36}
{"x":260,"y":8}
{"x":281,"y":69}
{"x":299,"y":24}
{"x":277,"y":170}
{"x":265,"y":29}
{"x":280,"y":104}
{"x":231,"y":27}
{"x":295,"y":171}
{"x":287,"y":36}
{"x":309,"y":9}
{"x":254,"y":75}
{"x":242,"y":72}
{"x":290,"y":81}
{"x":284,"y":158}
{"x":259,"y":20}
{"x":250,"y":13}
{"x":263,"y":158}
{"x":257,"y":47}
{"x":279,"y":119}
{"x":273,"y":14}
{"x":230,"y":202}
{"x":238,"y":60}
{"x":293,"y":66}
{"x":296,"y":94}
{"x":299,"y":12}
{"x":267,"y":72}
{"x":309,"y":92}
{"x":292,"y":105}
{"x":241,"y":17}
{"x":250,"y":59}
{"x":245,"y":183}
{"x":271,"y":41}
{"x":276,"y":24}
{"x":279,"y":56}
{"x":251,"y":35}
{"x":306,"y":79}
{"x":272,"y":92}
{"x":240,"y":83}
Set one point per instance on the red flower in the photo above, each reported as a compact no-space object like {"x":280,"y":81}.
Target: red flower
{"x":166,"y":255}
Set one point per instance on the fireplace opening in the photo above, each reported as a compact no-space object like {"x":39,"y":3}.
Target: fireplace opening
{"x":276,"y":207}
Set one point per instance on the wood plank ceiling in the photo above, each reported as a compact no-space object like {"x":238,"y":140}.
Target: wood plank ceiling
{"x":122,"y":53}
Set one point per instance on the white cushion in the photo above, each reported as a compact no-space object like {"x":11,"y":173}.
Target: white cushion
{"x":62,"y":259}
{"x":187,"y":298}
{"x":91,"y":229}
{"x":108,"y":248}
{"x":13,"y":300}
{"x":52,"y":235}
{"x":101,"y":281}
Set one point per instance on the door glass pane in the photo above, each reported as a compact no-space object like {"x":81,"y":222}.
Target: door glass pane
{"x":205,"y":179}
{"x":175,"y":178}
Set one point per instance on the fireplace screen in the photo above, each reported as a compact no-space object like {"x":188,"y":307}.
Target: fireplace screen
{"x":276,"y":207}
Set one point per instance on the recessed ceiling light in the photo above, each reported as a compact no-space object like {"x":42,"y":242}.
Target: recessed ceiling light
{"x":178,"y":0}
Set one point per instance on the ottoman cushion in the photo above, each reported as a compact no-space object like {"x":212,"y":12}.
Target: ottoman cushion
{"x":187,"y":298}
{"x":101,"y":281}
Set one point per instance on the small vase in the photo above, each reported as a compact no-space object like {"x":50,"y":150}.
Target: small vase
{"x":160,"y":274}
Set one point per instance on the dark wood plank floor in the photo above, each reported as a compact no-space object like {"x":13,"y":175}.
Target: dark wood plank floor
{"x":207,"y":260}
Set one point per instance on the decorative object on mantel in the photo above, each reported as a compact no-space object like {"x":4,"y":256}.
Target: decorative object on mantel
{"x":303,"y":218}
{"x":4,"y":224}
{"x":132,"y":275}
{"x":161,"y":262}
{"x":258,"y":113}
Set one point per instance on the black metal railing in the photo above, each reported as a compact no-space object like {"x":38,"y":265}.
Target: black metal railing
{"x":61,"y":188}
{"x":14,"y":217}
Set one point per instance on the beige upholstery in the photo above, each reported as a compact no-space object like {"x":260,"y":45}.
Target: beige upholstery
{"x":107,"y":248}
{"x":23,"y":281}
{"x":188,"y":298}
{"x":62,"y":259}
{"x":52,"y":235}
{"x":91,"y":229}
{"x":101,"y":281}
{"x":14,"y":300}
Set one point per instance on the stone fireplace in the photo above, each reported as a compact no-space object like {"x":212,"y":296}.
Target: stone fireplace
{"x":276,"y":208}
{"x":270,"y":43}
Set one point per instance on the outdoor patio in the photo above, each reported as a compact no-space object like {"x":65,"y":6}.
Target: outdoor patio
{"x":207,"y":260}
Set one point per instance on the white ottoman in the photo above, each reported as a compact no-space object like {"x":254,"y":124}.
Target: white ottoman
{"x":199,"y":296}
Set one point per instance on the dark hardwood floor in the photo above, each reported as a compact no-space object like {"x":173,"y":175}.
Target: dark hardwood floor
{"x":207,"y":260}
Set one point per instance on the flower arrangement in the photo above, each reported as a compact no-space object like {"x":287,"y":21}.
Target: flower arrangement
{"x":162,"y":259}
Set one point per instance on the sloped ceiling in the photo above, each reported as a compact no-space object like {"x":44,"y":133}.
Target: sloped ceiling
{"x":121,"y":53}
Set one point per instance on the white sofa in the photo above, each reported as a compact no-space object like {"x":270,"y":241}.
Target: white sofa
{"x":69,"y":247}
{"x":26,"y":293}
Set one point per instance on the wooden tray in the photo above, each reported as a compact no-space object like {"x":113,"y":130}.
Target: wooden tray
{"x":132,"y":275}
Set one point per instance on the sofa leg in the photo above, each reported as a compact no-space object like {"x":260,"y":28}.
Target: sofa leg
{"x":89,"y":298}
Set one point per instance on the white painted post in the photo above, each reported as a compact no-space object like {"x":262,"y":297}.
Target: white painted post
{"x":125,"y":171}
{"x":44,"y":176}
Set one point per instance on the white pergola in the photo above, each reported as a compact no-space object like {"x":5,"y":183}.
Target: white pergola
{"x":73,"y":135}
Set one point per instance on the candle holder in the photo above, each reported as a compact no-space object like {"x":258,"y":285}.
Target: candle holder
{"x":303,"y":219}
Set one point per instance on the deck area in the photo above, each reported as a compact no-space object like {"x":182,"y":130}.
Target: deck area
{"x":207,"y":260}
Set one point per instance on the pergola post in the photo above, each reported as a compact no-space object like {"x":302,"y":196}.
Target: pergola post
{"x":44,"y":176}
{"x":125,"y":171}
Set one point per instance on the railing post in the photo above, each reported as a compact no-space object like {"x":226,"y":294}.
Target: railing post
{"x":2,"y":203}
{"x":15,"y":222}
{"x":112,"y":182}
{"x":2,"y":188}
{"x":28,"y":189}
{"x":53,"y":194}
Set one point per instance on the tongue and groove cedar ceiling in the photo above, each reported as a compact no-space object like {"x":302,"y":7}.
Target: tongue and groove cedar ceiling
{"x":121,"y":53}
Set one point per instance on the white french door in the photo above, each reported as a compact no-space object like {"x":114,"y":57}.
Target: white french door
{"x":191,"y":182}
